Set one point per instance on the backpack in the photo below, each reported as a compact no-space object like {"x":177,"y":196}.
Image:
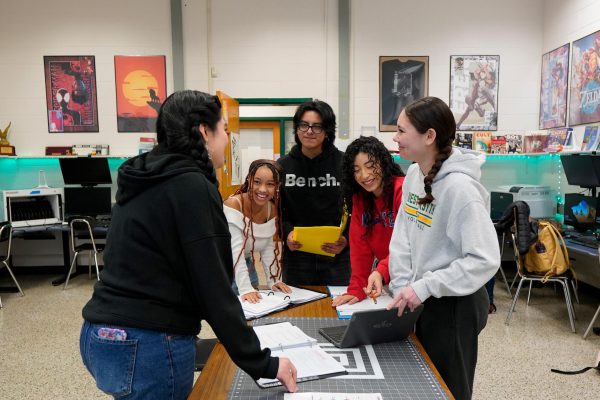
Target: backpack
{"x":548,"y":256}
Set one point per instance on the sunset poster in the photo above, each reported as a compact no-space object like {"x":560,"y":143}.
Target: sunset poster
{"x":141,"y":89}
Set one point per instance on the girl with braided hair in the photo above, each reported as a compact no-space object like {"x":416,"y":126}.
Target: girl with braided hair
{"x":372,"y":187}
{"x":168,"y":266}
{"x":252,"y":214}
{"x":444,"y":247}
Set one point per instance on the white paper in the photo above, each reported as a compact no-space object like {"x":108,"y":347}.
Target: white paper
{"x":365,"y":305}
{"x":282,"y":336}
{"x":311,"y":363}
{"x":267,"y":305}
{"x":337,"y":290}
{"x":297,"y":296}
{"x":332,"y":396}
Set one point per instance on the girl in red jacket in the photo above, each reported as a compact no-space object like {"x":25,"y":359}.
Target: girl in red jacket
{"x":372,"y":187}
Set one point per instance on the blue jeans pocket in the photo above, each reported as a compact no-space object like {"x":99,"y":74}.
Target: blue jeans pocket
{"x":112,"y":363}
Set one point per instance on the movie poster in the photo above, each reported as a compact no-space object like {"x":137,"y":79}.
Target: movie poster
{"x":474,"y":92}
{"x":553,"y":90}
{"x":71,"y":94}
{"x":141,"y":90}
{"x":584,"y":105}
{"x":401,"y":81}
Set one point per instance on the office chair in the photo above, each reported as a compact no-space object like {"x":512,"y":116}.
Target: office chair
{"x":81,"y":228}
{"x":6,"y":236}
{"x":526,"y":276}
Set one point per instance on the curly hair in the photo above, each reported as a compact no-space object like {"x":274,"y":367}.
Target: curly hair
{"x":248,"y":230}
{"x":177,"y":126}
{"x":432,"y":113}
{"x":384,"y":167}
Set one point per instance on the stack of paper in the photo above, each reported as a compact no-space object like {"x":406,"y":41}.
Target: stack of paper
{"x":345,"y":311}
{"x":282,"y":336}
{"x":332,"y":396}
{"x":266,"y":305}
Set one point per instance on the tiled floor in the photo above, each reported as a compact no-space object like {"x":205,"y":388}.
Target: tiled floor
{"x":39,"y":353}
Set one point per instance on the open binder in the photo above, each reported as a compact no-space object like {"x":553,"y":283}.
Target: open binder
{"x":313,"y":237}
{"x":310,"y":360}
{"x":273,"y":301}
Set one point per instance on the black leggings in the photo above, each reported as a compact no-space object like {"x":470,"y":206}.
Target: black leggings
{"x":300,"y":268}
{"x":448,"y":329}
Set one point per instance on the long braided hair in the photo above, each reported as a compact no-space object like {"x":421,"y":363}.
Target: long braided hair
{"x":177,"y":126}
{"x":432,"y":113}
{"x":247,"y":187}
{"x":385,"y":167}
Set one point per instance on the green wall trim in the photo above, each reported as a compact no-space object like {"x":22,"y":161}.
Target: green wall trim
{"x":273,"y":100}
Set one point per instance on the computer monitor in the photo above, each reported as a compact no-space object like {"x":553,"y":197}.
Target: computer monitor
{"x":89,"y":201}
{"x":582,"y":169}
{"x":580,"y":212}
{"x":85,"y":171}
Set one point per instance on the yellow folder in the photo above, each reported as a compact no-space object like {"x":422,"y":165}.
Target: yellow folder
{"x":313,"y":237}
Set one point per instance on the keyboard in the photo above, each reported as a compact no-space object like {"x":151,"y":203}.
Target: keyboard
{"x":334,"y":333}
{"x":585,"y":241}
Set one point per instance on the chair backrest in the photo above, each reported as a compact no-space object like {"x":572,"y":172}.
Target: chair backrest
{"x":81,"y":226}
{"x":6,"y":235}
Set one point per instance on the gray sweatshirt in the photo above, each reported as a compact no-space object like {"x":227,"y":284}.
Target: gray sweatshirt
{"x":448,"y":247}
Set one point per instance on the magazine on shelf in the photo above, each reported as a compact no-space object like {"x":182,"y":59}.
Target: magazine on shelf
{"x":514,"y":143}
{"x":464,"y":140}
{"x":499,"y":144}
{"x":482,"y":141}
{"x":558,"y":139}
{"x":590,"y":138}
{"x":534,"y":143}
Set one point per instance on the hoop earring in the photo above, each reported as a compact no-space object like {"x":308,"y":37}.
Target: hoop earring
{"x":209,"y":151}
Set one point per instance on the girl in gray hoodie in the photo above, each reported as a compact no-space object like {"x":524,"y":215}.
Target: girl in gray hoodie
{"x":444,"y":247}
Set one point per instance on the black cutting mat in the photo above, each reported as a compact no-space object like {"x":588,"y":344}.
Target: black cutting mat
{"x":396,"y":370}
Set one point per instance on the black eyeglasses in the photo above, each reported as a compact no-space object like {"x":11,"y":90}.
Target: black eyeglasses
{"x":304,"y":127}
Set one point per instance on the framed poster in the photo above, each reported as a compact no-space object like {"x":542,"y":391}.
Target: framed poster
{"x":584,"y":105}
{"x":474,"y":92}
{"x":141,"y":86}
{"x":553,"y":88}
{"x":71,"y":94}
{"x":402,"y":80}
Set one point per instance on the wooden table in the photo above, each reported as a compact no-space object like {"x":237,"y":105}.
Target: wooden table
{"x":216,"y":377}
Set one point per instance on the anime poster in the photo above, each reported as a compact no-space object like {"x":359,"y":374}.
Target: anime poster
{"x":141,"y":90}
{"x":71,"y":93}
{"x":584,"y":105}
{"x":553,"y":90}
{"x":474,"y":92}
{"x":401,"y":81}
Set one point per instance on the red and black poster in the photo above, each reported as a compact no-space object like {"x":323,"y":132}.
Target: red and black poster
{"x":71,"y":100}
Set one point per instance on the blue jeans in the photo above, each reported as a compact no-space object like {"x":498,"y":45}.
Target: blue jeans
{"x":146,"y":365}
{"x":253,"y":276}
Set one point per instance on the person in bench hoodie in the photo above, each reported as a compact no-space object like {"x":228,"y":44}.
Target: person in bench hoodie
{"x":310,"y":196}
{"x":372,"y":186}
{"x":168,"y":265}
{"x":444,"y":247}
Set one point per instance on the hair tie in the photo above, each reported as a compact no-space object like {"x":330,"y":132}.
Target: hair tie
{"x":428,"y":188}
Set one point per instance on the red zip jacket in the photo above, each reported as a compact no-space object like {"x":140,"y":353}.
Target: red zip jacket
{"x":363,"y":250}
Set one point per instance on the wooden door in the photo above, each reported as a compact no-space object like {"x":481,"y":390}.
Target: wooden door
{"x":229,"y":176}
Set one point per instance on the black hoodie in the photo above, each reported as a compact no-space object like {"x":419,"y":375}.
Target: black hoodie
{"x":168,"y":262}
{"x":311,"y":189}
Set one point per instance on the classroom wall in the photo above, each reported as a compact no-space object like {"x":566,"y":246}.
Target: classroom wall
{"x":32,"y":29}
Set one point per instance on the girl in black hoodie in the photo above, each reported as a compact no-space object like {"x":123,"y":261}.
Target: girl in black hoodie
{"x":168,"y":265}
{"x":311,"y":197}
